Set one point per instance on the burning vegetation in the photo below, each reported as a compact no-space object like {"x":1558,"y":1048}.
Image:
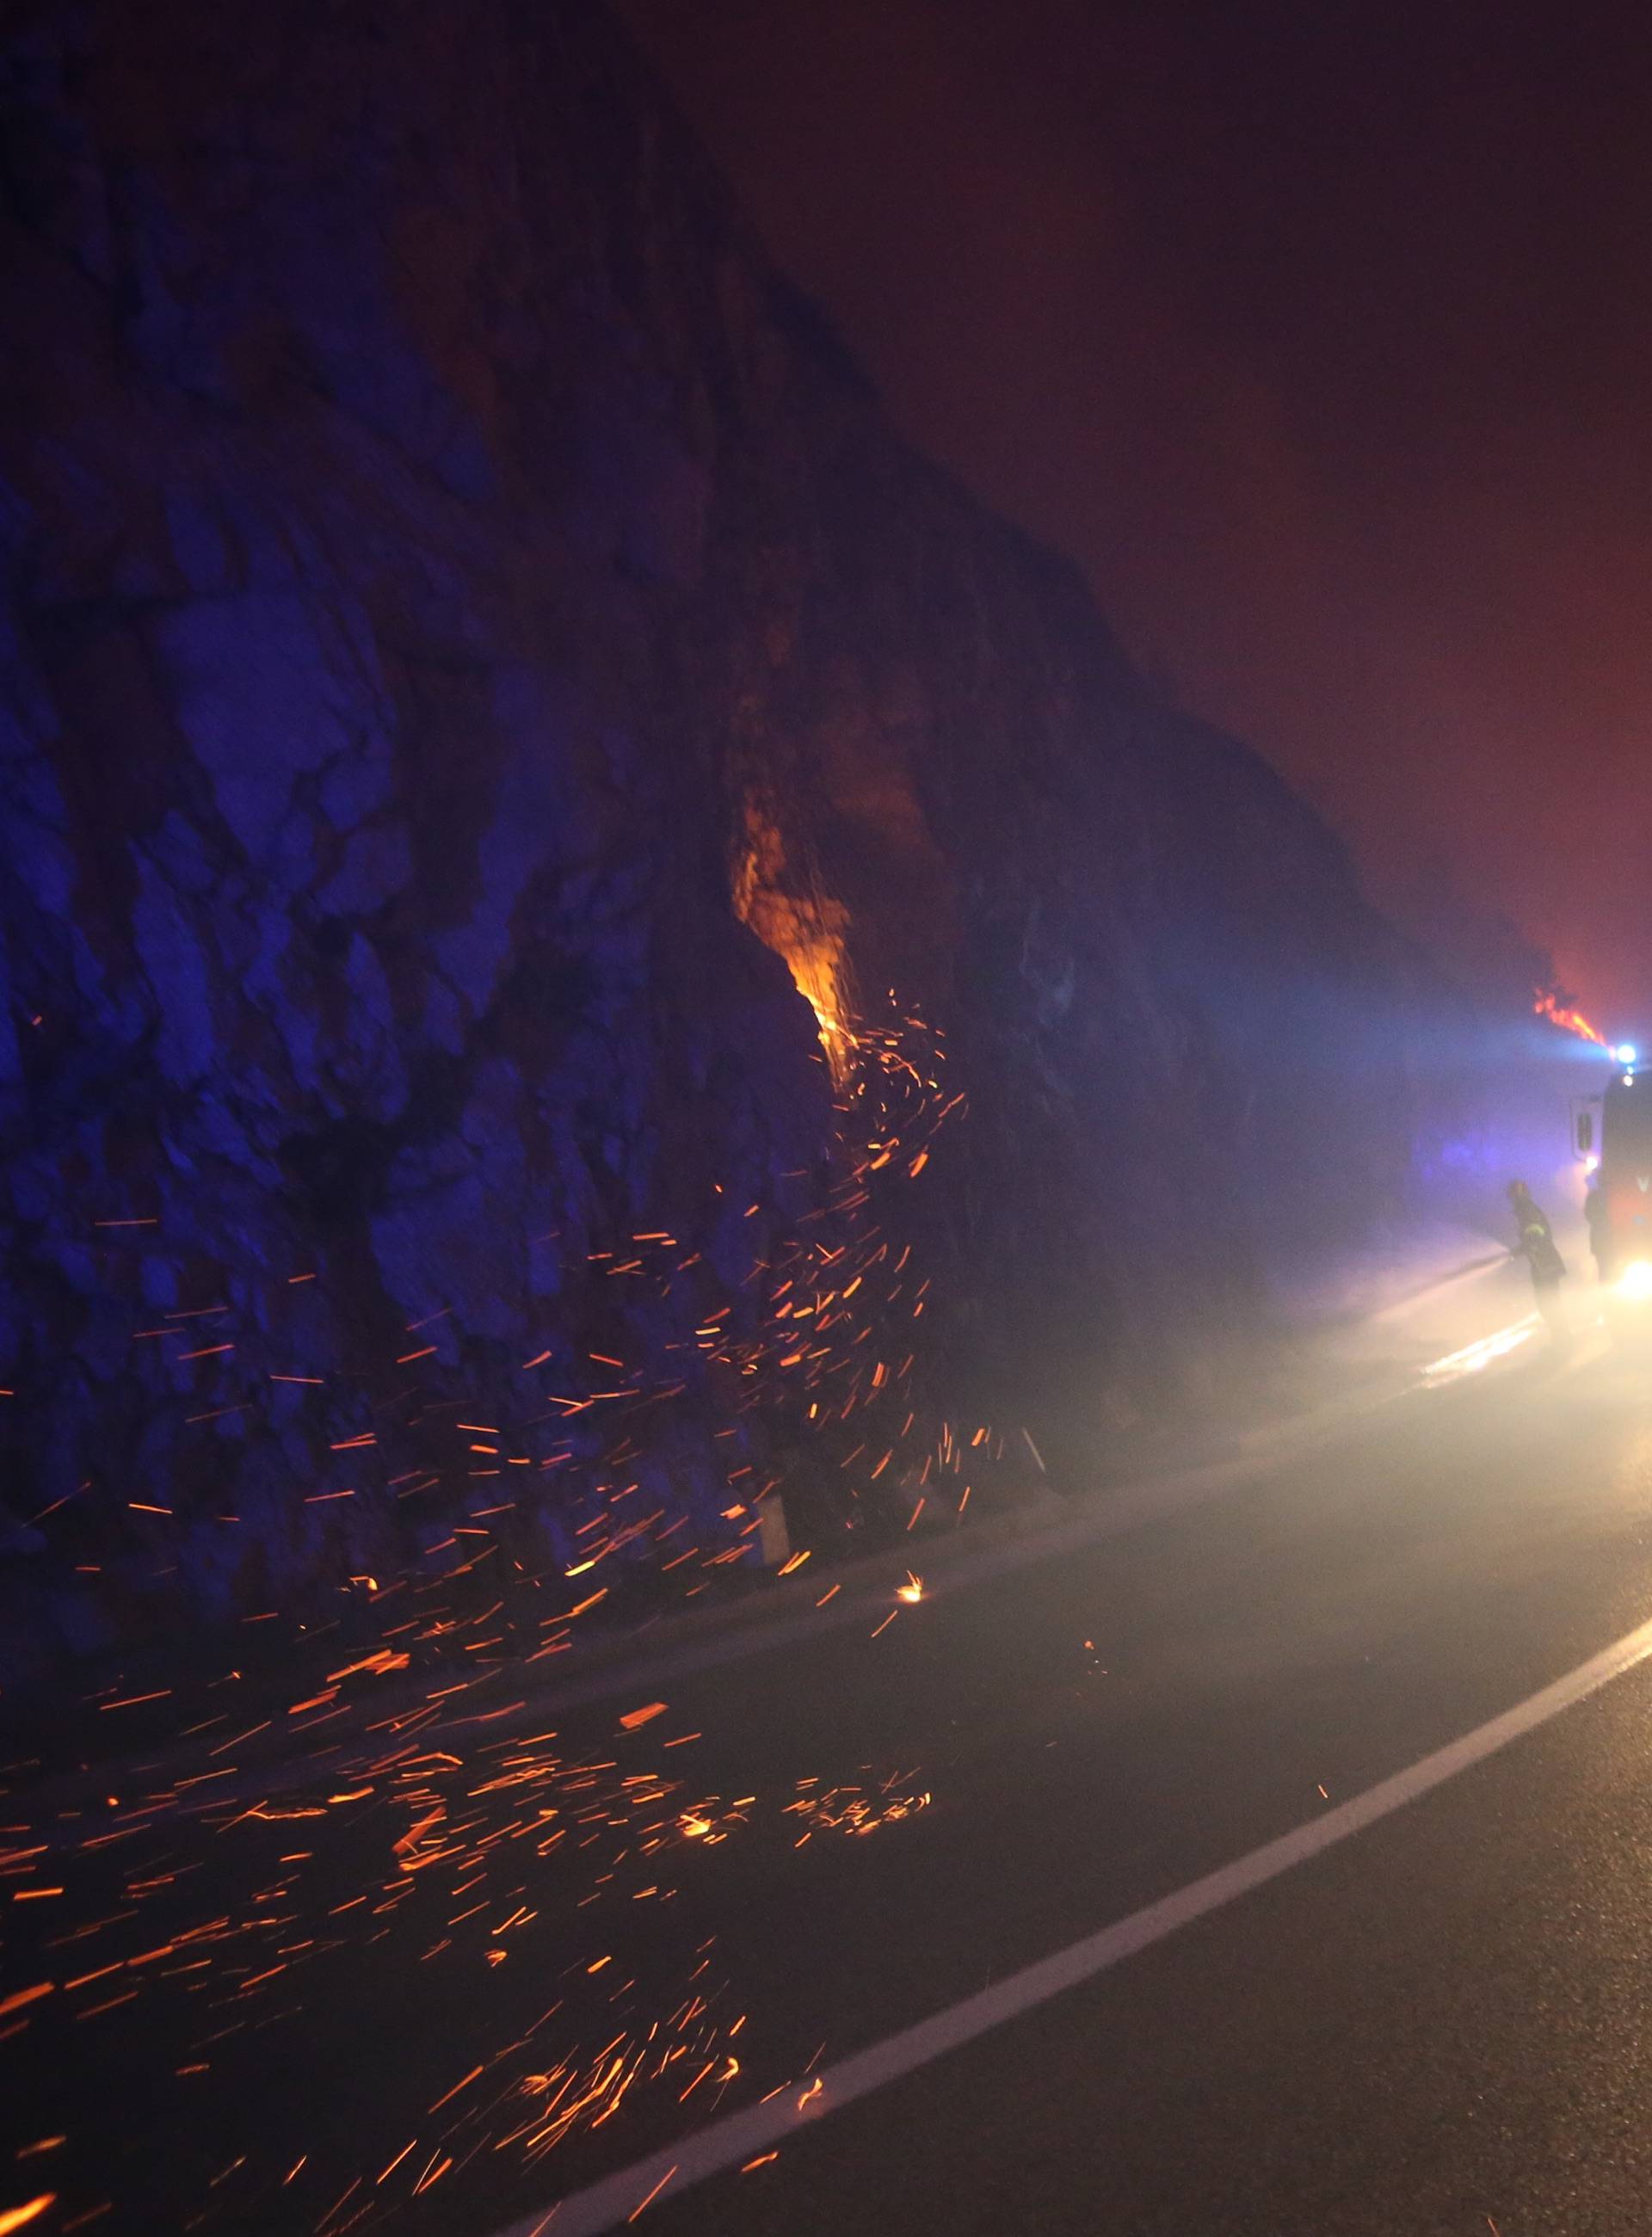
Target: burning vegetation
{"x":1561,"y":1011}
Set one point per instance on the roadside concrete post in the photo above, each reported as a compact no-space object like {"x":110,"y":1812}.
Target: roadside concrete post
{"x":774,"y":1542}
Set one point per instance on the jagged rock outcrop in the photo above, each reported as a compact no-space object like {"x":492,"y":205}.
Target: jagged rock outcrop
{"x":474,"y":651}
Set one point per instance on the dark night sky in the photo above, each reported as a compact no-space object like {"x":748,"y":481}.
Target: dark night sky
{"x":1319,"y":333}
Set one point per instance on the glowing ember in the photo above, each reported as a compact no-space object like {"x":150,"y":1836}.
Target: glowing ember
{"x":18,"y":2217}
{"x":476,"y":1568}
{"x":416,"y":1855}
{"x":422,"y":1825}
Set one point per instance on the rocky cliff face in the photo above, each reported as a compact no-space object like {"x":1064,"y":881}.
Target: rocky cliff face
{"x":525,"y":809}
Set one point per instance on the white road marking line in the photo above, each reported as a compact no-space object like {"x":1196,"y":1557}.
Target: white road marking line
{"x":740,"y":2136}
{"x":1475,"y":1358}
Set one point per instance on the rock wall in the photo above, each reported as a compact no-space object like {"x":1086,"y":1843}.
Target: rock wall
{"x":525,"y":806}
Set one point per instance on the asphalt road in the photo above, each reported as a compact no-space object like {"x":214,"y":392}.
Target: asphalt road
{"x":594,"y":1942}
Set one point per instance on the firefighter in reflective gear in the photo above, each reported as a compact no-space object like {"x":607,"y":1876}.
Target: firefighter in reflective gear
{"x":1537,"y":1247}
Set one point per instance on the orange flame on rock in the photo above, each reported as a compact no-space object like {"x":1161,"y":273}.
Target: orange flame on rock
{"x":802,"y":926}
{"x":1569,"y":1021}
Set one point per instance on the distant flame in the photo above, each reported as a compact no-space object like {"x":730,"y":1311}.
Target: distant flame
{"x":801,"y":925}
{"x":1572,"y":1021}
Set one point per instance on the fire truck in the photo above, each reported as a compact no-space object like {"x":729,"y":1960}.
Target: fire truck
{"x":1613,"y":1133}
